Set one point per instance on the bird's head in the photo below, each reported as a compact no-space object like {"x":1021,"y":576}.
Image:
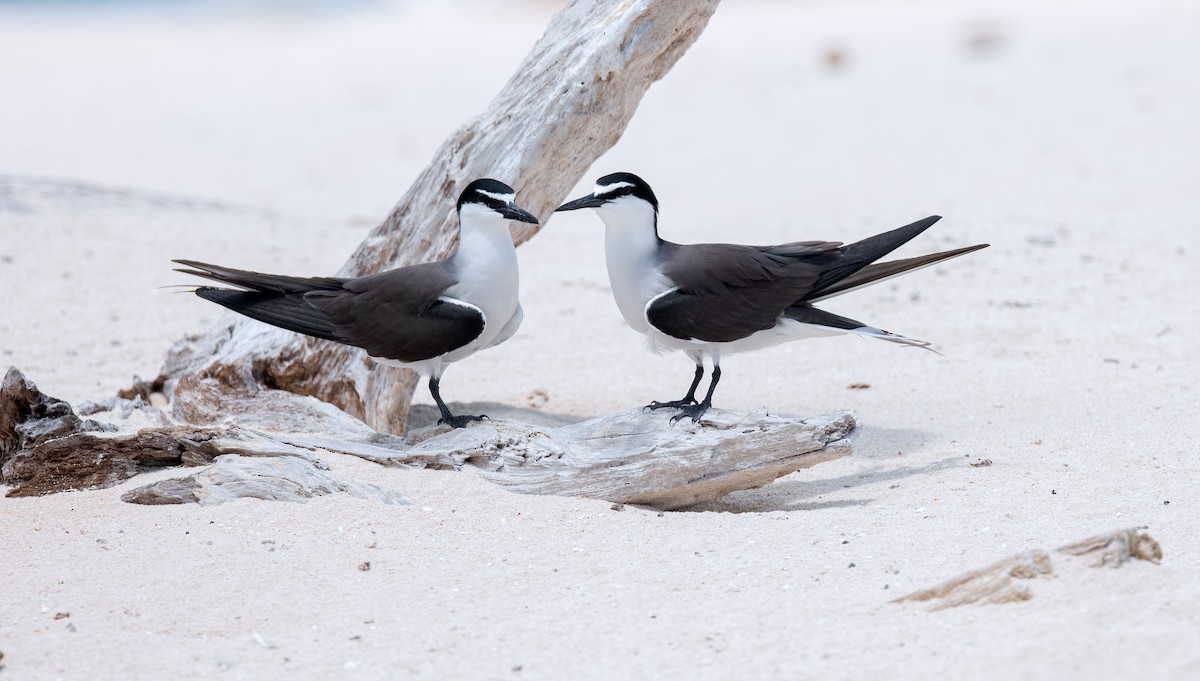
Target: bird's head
{"x":491,"y":200}
{"x":619,"y":197}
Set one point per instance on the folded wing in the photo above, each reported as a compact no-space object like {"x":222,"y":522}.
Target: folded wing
{"x":399,"y":314}
{"x":725,"y":292}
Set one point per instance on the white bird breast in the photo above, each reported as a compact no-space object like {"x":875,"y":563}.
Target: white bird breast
{"x":630,"y":250}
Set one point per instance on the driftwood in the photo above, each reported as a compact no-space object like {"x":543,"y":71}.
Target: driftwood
{"x":630,"y":457}
{"x":45,"y":447}
{"x":997,"y":583}
{"x":1112,"y":549}
{"x":639,"y":457}
{"x":281,"y":478}
{"x":569,"y":101}
{"x":992,"y":584}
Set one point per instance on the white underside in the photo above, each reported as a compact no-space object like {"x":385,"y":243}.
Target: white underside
{"x":426,"y":367}
{"x":632,"y":272}
{"x":785,"y":331}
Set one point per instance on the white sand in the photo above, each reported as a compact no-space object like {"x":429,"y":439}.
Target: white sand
{"x":1065,"y":135}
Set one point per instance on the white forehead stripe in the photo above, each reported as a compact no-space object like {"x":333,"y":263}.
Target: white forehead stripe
{"x":507,"y":198}
{"x":607,"y":188}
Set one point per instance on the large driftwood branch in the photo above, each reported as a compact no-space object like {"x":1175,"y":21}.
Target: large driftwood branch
{"x":630,"y":457}
{"x":568,"y":103}
{"x":640,"y":457}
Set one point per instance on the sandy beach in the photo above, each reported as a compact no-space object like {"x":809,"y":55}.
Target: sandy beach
{"x":1064,"y":134}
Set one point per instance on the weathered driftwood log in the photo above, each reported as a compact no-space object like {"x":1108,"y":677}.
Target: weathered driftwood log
{"x":46,"y":448}
{"x":640,"y":457}
{"x":280,"y":478}
{"x":568,"y":102}
{"x":995,"y":583}
{"x":630,"y":457}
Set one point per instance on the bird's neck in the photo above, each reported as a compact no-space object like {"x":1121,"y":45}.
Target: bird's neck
{"x":487,"y":263}
{"x":630,"y":235}
{"x":630,"y":230}
{"x":631,"y":246}
{"x":484,"y":239}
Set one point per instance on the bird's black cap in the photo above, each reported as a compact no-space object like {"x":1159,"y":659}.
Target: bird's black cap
{"x":497,"y":196}
{"x":611,"y":187}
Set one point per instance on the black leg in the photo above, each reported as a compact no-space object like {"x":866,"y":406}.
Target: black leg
{"x":697,"y":410}
{"x":448,"y":418}
{"x":688,"y":399}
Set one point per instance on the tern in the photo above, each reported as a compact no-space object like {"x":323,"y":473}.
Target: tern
{"x":422,"y":317}
{"x":710,"y":300}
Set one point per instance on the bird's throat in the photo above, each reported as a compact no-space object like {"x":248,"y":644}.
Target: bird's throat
{"x":631,"y":252}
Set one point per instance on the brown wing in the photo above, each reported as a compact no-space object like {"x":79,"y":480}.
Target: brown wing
{"x":270,"y":298}
{"x":860,"y":254}
{"x":399,"y":314}
{"x":257,"y":281}
{"x":877,"y":272}
{"x":724,"y":292}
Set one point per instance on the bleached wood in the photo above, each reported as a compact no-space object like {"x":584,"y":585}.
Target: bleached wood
{"x":1111,"y":549}
{"x":568,"y":102}
{"x":633,"y":456}
{"x":992,"y":584}
{"x":996,"y":582}
{"x":640,"y":457}
{"x":630,"y":457}
{"x":279,"y":478}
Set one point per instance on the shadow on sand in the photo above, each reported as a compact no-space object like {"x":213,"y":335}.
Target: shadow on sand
{"x":800,"y":492}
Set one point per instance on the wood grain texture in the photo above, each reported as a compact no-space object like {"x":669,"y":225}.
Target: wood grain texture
{"x":634,"y":456}
{"x":640,"y":457}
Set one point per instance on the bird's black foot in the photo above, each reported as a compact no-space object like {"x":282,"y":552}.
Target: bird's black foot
{"x":695,"y":411}
{"x":460,"y":421}
{"x":673,"y":404}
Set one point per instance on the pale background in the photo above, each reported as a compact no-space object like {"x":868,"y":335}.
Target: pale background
{"x":257,"y":136}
